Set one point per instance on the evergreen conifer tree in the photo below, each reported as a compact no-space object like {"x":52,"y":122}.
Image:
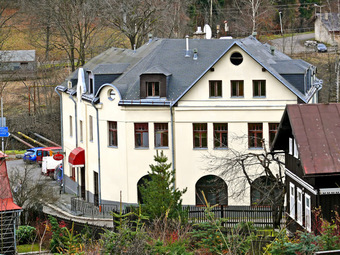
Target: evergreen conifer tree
{"x":160,"y":197}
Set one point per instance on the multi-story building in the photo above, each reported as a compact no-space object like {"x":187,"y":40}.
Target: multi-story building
{"x":186,"y":97}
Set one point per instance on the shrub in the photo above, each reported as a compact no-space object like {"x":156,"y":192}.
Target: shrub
{"x":26,"y":234}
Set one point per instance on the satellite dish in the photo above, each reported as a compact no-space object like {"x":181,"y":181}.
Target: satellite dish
{"x":207,"y":31}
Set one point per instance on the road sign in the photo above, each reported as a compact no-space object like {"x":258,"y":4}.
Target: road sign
{"x":4,"y":132}
{"x":58,"y":156}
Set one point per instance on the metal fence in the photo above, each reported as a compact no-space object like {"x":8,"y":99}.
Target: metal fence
{"x":259,"y":216}
{"x":83,"y":208}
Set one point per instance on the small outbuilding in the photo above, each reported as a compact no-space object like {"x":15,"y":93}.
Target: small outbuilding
{"x":9,"y":211}
{"x":310,"y":136}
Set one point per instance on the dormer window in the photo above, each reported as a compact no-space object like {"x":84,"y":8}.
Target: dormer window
{"x":152,"y":85}
{"x":152,"y":89}
{"x":91,"y":82}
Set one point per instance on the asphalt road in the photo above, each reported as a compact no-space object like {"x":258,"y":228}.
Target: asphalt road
{"x":292,"y":45}
{"x":19,"y":164}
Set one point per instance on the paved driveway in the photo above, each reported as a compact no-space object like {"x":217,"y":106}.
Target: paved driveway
{"x":293,"y":44}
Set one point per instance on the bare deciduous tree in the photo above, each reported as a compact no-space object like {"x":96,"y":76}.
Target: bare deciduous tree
{"x":260,"y":171}
{"x":30,"y":189}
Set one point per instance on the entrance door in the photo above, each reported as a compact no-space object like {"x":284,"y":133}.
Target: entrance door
{"x":96,"y":189}
{"x":82,"y":182}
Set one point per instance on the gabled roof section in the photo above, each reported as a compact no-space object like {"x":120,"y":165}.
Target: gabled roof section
{"x":316,"y":128}
{"x":167,"y":56}
{"x":157,"y":70}
{"x":118,"y":68}
{"x":331,"y":21}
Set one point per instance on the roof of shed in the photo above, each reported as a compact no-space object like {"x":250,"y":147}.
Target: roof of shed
{"x":17,"y":55}
{"x":316,"y":128}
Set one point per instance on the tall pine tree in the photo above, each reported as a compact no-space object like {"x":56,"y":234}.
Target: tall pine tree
{"x":159,"y":195}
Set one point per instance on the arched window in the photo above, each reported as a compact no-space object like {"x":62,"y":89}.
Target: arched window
{"x":215,"y":190}
{"x":140,"y":183}
{"x":263,"y":191}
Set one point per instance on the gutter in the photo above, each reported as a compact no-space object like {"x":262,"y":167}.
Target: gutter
{"x":62,"y":133}
{"x":98,"y":148}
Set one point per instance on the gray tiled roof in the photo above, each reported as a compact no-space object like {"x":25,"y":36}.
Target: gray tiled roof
{"x":17,"y":55}
{"x":167,"y":56}
{"x":331,"y":21}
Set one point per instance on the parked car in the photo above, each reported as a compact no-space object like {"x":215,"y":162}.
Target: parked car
{"x":30,"y":155}
{"x":310,"y":43}
{"x":321,"y":47}
{"x":47,"y":151}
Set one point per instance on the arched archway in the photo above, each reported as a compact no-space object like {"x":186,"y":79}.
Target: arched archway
{"x":262,"y":191}
{"x":141,"y":183}
{"x":215,"y":190}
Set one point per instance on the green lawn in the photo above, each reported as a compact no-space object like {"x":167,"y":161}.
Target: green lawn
{"x":27,"y":247}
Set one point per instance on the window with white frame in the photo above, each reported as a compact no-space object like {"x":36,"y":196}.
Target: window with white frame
{"x":81,"y":130}
{"x":71,"y":126}
{"x":290,"y":146}
{"x":292,"y":200}
{"x":91,"y":127}
{"x":296,"y":152}
{"x":308,"y":216}
{"x":299,"y":206}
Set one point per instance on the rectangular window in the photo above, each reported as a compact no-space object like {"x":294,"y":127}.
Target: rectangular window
{"x":91,"y":86}
{"x":113,"y":139}
{"x":290,"y":146}
{"x":91,"y":127}
{"x":296,"y":152}
{"x":292,"y":200}
{"x":259,"y":88}
{"x":141,"y":135}
{"x":308,"y":215}
{"x":200,"y":135}
{"x":220,"y":135}
{"x":255,"y":135}
{"x":81,"y":130}
{"x":215,"y":88}
{"x":161,"y":135}
{"x":272,"y":131}
{"x":237,"y":89}
{"x":152,"y":89}
{"x":71,"y":126}
{"x":299,"y":206}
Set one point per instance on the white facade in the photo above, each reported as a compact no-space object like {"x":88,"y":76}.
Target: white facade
{"x":121,"y":167}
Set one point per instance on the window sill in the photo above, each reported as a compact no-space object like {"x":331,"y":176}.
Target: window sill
{"x":237,"y":97}
{"x":214,"y":97}
{"x":259,"y":96}
{"x":198,"y":148}
{"x":255,"y":148}
{"x":141,"y":148}
{"x":161,"y":147}
{"x":112,"y":146}
{"x":221,"y":148}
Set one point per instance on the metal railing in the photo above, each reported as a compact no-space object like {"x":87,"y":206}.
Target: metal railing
{"x":259,"y":216}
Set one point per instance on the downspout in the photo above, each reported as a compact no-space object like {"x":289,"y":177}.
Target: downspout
{"x":173,"y":145}
{"x":62,"y":134}
{"x":98,"y":145}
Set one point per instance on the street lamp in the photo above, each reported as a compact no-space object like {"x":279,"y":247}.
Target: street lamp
{"x":280,"y":13}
